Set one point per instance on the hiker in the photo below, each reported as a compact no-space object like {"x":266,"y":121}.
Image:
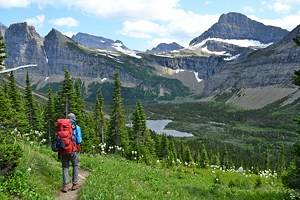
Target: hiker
{"x":70,"y":134}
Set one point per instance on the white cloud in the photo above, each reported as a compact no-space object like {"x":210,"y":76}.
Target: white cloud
{"x":288,"y":22}
{"x":143,"y":29}
{"x":36,"y":21}
{"x":248,"y":9}
{"x":69,"y":33}
{"x":280,"y":6}
{"x":14,"y":3}
{"x":65,"y":21}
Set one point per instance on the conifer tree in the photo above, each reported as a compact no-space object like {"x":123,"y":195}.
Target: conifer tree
{"x":30,"y":107}
{"x":164,"y":147}
{"x":67,"y":95}
{"x":50,"y":116}
{"x":217,"y":159}
{"x":225,"y":161}
{"x":141,"y":138}
{"x":100,"y":122}
{"x":117,"y":130}
{"x":188,"y":156}
{"x":78,"y":101}
{"x":204,"y":157}
{"x":267,"y":161}
{"x":282,"y":164}
{"x":172,"y":149}
{"x":14,"y":95}
{"x":180,"y":154}
{"x":136,"y":135}
{"x":2,"y":53}
{"x":7,"y":113}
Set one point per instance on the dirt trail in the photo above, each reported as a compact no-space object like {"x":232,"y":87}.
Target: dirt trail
{"x":74,"y":195}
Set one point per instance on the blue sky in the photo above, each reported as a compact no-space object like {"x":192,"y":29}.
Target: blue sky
{"x":141,"y":24}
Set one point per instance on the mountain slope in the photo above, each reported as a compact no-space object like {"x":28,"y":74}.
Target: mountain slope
{"x":237,"y":35}
{"x":96,"y":42}
{"x":164,"y":48}
{"x":273,"y":66}
{"x":56,"y":52}
{"x":25,"y":46}
{"x":2,"y":29}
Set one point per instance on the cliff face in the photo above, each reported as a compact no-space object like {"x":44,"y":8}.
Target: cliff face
{"x":25,"y":46}
{"x":143,"y":73}
{"x":273,"y":65}
{"x":2,"y":29}
{"x":205,"y":66}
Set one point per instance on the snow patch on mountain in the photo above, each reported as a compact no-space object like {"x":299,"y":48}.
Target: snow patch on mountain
{"x":232,"y":57}
{"x":218,"y":53}
{"x":197,"y":77}
{"x":237,"y":42}
{"x":118,"y":47}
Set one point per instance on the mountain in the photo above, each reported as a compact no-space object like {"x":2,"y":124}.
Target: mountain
{"x":25,"y":46}
{"x":95,"y":67}
{"x":164,"y":48}
{"x":238,"y":26}
{"x":2,"y":29}
{"x":237,"y":31}
{"x":266,"y":73}
{"x":97,"y":42}
{"x":218,"y":66}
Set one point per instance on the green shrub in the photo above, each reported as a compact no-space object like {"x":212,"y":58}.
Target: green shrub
{"x":10,"y":152}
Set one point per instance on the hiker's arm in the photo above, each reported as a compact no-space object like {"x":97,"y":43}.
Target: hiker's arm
{"x":79,"y":135}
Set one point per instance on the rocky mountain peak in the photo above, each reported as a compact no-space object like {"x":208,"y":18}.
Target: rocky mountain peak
{"x":232,"y":17}
{"x":238,"y":26}
{"x":24,"y":45}
{"x":97,"y":42}
{"x":2,"y":29}
{"x":56,"y":36}
{"x":166,"y":47}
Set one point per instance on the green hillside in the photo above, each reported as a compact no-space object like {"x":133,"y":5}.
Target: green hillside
{"x":112,"y":177}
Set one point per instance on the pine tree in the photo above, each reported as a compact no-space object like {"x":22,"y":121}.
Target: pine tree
{"x":117,"y":130}
{"x":281,"y":163}
{"x":14,"y":95}
{"x":225,"y":161}
{"x":172,"y":149}
{"x":267,"y":161}
{"x":67,"y":95}
{"x":216,"y":158}
{"x":50,"y":117}
{"x":7,"y":113}
{"x":136,"y":134}
{"x":164,"y":147}
{"x":188,"y":156}
{"x":180,"y":154}
{"x":141,"y":138}
{"x":78,"y":101}
{"x":204,"y":157}
{"x":100,"y":122}
{"x":31,"y":109}
{"x":2,"y":53}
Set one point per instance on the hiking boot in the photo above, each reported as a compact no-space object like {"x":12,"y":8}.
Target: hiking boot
{"x":65,"y":189}
{"x":75,"y":187}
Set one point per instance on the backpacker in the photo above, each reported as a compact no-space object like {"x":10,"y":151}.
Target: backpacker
{"x":64,"y":142}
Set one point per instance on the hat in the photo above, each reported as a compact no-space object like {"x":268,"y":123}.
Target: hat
{"x":71,"y":116}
